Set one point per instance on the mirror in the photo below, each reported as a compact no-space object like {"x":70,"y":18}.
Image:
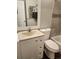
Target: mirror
{"x":27,"y":13}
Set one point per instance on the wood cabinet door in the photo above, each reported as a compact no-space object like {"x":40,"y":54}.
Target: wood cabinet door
{"x":18,"y":51}
{"x":29,"y":49}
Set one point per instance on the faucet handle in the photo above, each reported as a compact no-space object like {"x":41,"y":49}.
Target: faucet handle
{"x":29,"y":29}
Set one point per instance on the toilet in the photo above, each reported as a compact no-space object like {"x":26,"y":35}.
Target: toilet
{"x":50,"y":46}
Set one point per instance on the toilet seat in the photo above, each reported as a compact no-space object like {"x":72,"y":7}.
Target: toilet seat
{"x":51,"y":46}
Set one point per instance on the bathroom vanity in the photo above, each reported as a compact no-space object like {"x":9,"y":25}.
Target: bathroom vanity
{"x":36,"y":13}
{"x":30,"y":46}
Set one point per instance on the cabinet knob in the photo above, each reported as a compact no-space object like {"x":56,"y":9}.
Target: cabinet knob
{"x":40,"y":47}
{"x":40,"y":53}
{"x":40,"y":40}
{"x":36,"y":40}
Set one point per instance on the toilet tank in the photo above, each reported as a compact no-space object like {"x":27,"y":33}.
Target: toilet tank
{"x":46,"y":32}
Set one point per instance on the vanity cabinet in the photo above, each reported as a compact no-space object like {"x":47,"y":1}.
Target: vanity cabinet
{"x":32,"y":48}
{"x":18,"y":50}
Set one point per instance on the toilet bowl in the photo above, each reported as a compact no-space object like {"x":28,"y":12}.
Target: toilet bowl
{"x":51,"y":48}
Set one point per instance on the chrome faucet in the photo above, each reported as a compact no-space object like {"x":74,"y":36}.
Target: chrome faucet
{"x":29,"y":29}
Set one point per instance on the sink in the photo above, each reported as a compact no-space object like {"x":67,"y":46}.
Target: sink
{"x":27,"y":35}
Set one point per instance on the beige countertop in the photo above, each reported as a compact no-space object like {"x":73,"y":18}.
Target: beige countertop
{"x":24,"y":35}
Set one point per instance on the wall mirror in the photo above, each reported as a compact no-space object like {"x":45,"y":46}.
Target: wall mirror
{"x":36,"y":13}
{"x":27,"y":13}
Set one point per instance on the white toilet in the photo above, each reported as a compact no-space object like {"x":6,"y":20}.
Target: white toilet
{"x":50,"y":46}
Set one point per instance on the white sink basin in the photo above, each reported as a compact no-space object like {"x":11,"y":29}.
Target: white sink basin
{"x":27,"y":35}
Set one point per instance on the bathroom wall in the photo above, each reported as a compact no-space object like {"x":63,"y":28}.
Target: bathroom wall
{"x":56,"y":21}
